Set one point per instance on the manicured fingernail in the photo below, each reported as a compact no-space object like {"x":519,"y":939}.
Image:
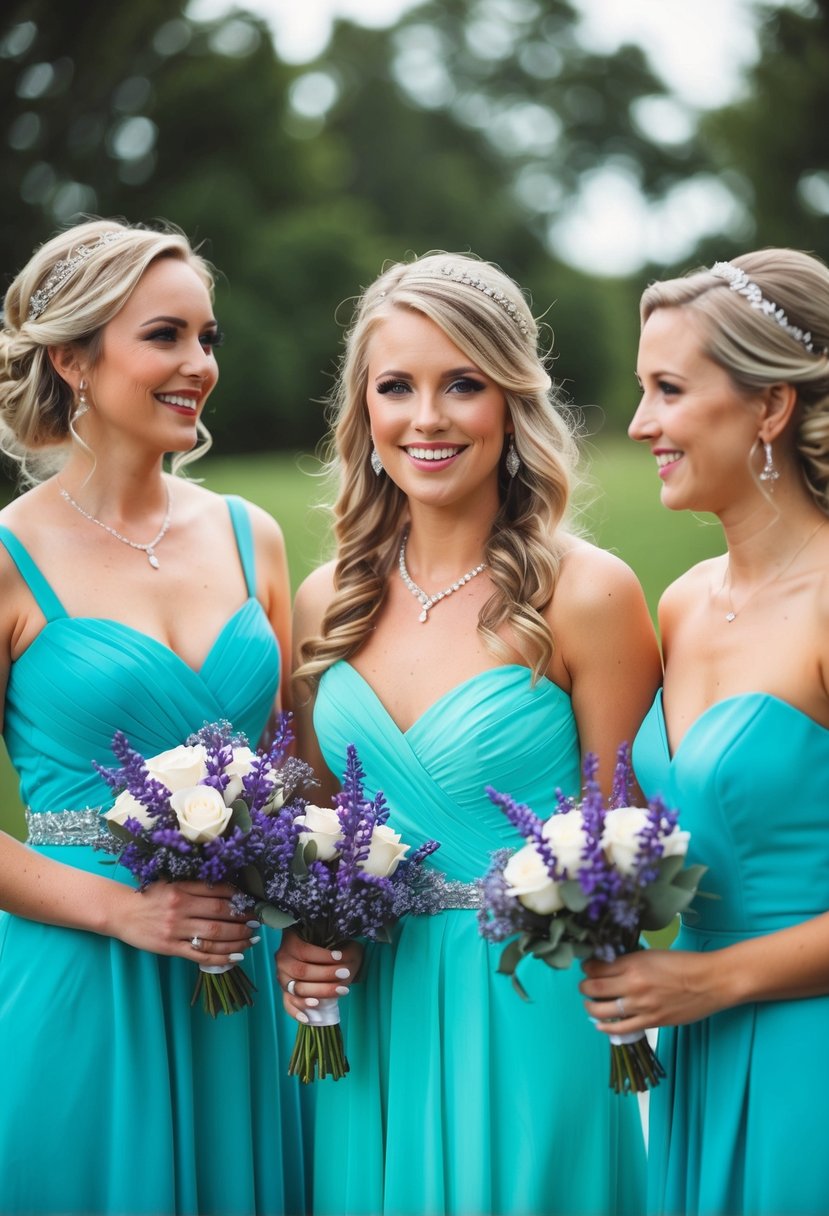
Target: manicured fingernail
{"x":254,"y":940}
{"x":253,"y":924}
{"x":340,"y":991}
{"x":236,"y":958}
{"x":336,"y":955}
{"x":342,"y":973}
{"x":311,"y":1002}
{"x":302,"y":1017}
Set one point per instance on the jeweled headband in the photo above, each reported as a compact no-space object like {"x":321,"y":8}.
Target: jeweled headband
{"x":739,"y":281}
{"x":64,"y":270}
{"x":461,"y":276}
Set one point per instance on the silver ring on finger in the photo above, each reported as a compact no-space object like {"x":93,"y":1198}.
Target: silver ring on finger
{"x":290,"y":986}
{"x":197,"y":943}
{"x":620,"y":1005}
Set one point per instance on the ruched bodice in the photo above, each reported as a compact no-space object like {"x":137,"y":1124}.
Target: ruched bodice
{"x":434,"y":774}
{"x":462,"y":1098}
{"x":737,"y":1126}
{"x":81,"y":678}
{"x":84,"y":1014}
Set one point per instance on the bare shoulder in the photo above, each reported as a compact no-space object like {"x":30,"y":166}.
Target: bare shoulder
{"x":312,"y":599}
{"x":594,"y":583}
{"x":690,"y":589}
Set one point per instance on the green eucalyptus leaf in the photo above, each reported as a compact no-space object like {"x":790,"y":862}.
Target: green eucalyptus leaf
{"x":520,"y":989}
{"x":119,"y":831}
{"x":511,"y":956}
{"x":251,"y":881}
{"x":669,"y":867}
{"x":688,"y":880}
{"x":662,"y":903}
{"x":240,"y":816}
{"x":562,"y":957}
{"x":273,"y":917}
{"x":573,"y":895}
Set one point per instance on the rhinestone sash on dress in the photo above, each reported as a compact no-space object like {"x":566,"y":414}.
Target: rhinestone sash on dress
{"x":65,"y":827}
{"x":85,"y":827}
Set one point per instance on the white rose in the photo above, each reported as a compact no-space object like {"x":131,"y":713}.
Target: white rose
{"x":385,"y":852}
{"x":322,"y":825}
{"x":126,"y":807}
{"x":676,"y":845}
{"x":528,"y":880}
{"x":566,"y":836}
{"x":201,"y":812}
{"x":180,"y":768}
{"x":620,"y":839}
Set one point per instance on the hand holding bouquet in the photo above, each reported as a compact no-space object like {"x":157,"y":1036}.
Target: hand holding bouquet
{"x":200,"y":811}
{"x":587,"y":882}
{"x":337,"y":873}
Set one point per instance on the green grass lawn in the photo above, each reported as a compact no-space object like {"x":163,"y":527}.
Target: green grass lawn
{"x":621,"y":512}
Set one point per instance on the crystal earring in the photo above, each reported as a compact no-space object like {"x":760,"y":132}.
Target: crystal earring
{"x":83,"y":405}
{"x":375,"y":462}
{"x":769,"y":472}
{"x":513,"y":460}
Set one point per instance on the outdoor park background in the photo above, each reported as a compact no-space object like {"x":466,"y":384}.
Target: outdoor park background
{"x":584,"y":164}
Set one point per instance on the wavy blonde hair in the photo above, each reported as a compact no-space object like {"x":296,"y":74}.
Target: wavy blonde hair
{"x":493,"y":326}
{"x":756,"y":351}
{"x":36,"y":404}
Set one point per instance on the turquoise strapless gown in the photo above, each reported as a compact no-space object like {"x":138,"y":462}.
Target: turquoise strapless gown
{"x":117,"y":1097}
{"x":462,"y":1098}
{"x":738,"y":1126}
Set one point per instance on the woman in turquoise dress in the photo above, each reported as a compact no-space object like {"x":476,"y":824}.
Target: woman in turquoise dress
{"x":462,"y":637}
{"x":117,"y":1096}
{"x":734,"y":368}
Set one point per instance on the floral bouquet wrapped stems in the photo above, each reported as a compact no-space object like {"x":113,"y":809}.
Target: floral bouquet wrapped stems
{"x":586,"y":883}
{"x":200,"y":812}
{"x":337,"y":873}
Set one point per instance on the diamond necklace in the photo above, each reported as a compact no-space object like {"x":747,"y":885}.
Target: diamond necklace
{"x":133,"y":544}
{"x":429,"y":601}
{"x":731,"y":615}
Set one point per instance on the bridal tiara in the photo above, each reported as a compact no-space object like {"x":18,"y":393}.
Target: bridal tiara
{"x":461,"y":276}
{"x":739,"y":281}
{"x":64,"y":269}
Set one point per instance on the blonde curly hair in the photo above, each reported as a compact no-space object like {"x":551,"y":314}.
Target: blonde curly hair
{"x":756,"y":351}
{"x":36,"y":404}
{"x":490,"y":321}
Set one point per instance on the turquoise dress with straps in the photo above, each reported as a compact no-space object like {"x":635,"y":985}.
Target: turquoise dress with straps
{"x":117,"y":1097}
{"x":737,"y":1128}
{"x":462,"y":1098}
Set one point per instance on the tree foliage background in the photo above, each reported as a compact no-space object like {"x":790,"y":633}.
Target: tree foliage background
{"x":470,"y":125}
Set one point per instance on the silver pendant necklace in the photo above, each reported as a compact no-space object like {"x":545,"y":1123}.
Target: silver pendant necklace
{"x":731,"y":615}
{"x":429,"y":601}
{"x":149,"y":548}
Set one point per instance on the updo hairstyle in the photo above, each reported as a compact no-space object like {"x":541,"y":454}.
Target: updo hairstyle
{"x":36,"y":404}
{"x":756,"y":350}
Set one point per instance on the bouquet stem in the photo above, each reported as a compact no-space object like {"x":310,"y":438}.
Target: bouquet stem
{"x":318,"y":1048}
{"x":634,"y":1066}
{"x":223,"y":989}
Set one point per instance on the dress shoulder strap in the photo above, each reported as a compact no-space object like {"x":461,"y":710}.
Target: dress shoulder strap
{"x":46,"y":600}
{"x":244,"y":539}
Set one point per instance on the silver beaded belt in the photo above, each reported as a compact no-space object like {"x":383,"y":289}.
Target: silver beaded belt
{"x":455,"y":896}
{"x":65,"y":827}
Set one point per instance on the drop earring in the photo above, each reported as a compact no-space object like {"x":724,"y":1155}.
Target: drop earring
{"x":83,"y":405}
{"x":769,"y":472}
{"x":512,"y":462}
{"x":375,"y":462}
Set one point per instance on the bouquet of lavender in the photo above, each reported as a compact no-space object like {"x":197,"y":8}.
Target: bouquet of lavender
{"x":340,"y":872}
{"x":587,"y":882}
{"x":201,"y":811}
